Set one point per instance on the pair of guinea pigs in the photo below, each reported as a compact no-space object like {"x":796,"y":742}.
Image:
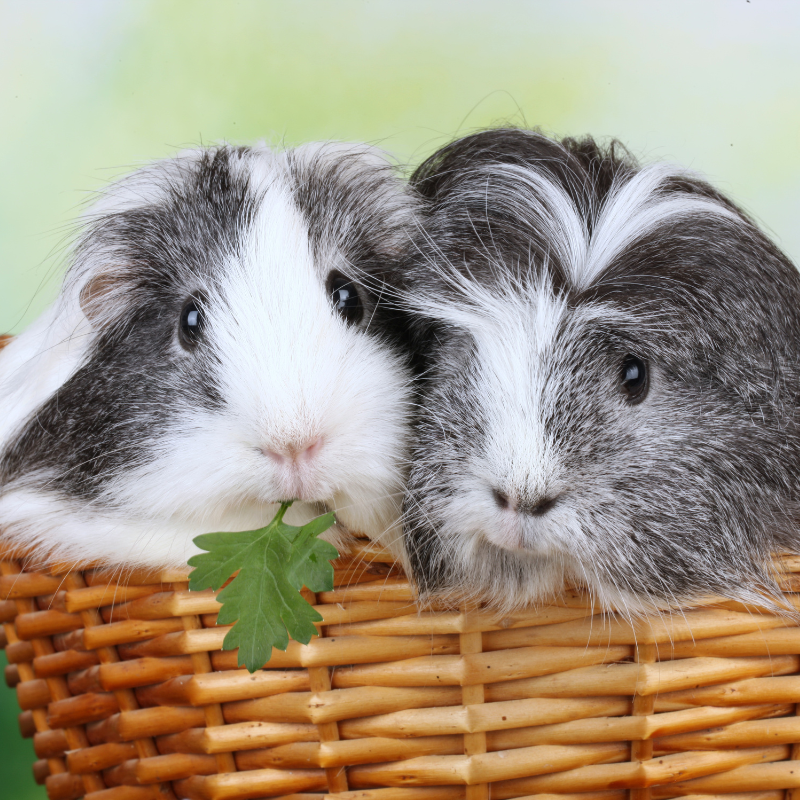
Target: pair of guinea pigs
{"x":537,"y":362}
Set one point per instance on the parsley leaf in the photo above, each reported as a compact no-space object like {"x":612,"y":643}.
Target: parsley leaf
{"x":264,"y":599}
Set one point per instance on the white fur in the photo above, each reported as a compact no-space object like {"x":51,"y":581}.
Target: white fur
{"x":634,"y":208}
{"x":292,"y":371}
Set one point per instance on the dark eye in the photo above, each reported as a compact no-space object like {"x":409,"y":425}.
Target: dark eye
{"x":634,"y":379}
{"x":345,"y":298}
{"x":191,"y":326}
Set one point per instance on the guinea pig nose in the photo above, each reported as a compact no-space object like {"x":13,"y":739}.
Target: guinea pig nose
{"x":537,"y":507}
{"x":502,"y":499}
{"x":285,"y":455}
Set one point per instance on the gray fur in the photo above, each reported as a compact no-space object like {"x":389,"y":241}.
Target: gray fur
{"x":684,"y":494}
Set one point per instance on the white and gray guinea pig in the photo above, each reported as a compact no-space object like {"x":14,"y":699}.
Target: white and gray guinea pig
{"x":218,"y":347}
{"x":609,"y":361}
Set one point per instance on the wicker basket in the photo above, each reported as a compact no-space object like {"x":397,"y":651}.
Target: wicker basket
{"x":127,"y":695}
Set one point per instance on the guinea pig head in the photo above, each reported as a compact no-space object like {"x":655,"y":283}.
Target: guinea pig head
{"x":231,"y":354}
{"x":608,"y":362}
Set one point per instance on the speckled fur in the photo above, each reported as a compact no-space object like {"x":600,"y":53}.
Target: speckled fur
{"x":540,"y":266}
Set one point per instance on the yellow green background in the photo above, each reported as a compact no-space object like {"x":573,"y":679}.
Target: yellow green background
{"x":91,"y":88}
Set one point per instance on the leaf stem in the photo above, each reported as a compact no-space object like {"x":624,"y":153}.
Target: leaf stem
{"x":282,"y":510}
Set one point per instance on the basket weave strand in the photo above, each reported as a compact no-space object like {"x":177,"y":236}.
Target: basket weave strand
{"x":127,"y":694}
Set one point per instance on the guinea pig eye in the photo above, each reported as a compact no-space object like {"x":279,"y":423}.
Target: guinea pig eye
{"x":191,"y":325}
{"x":634,"y":379}
{"x":344,"y":296}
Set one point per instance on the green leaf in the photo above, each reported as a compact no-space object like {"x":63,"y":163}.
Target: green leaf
{"x":263,"y":600}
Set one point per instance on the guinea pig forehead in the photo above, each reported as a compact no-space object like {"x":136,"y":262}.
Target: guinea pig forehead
{"x":529,"y":220}
{"x":196,"y":213}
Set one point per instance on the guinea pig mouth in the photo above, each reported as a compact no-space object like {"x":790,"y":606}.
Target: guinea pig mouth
{"x":303,"y":487}
{"x":524,"y":536}
{"x":506,"y":539}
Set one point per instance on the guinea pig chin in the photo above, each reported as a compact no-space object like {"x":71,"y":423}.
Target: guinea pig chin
{"x":297,"y":481}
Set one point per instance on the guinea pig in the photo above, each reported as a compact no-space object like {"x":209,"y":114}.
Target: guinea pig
{"x":609,"y":361}
{"x":217,"y":347}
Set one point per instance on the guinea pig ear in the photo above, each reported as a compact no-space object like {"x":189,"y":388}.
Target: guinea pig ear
{"x":96,"y":298}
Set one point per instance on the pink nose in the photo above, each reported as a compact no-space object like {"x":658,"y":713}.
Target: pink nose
{"x":289,"y":454}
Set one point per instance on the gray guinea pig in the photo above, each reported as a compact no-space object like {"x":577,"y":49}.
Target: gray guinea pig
{"x":214,"y":350}
{"x":609,"y":365}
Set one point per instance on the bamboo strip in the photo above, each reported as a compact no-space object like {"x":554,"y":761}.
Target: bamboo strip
{"x":80,"y":710}
{"x":794,"y":794}
{"x":132,"y":630}
{"x":63,"y":786}
{"x":395,"y":793}
{"x":339,"y":754}
{"x":669,"y":792}
{"x":365,"y":550}
{"x":172,"y":692}
{"x":489,"y":767}
{"x":238,"y":736}
{"x":100,"y":757}
{"x":41,"y":772}
{"x":646,"y":679}
{"x":393,"y":589}
{"x":555,"y":626}
{"x":478,"y":668}
{"x":474,"y":743}
{"x":234,"y":685}
{"x":8,"y":613}
{"x":744,"y":692}
{"x":759,"y":733}
{"x":142,"y":672}
{"x":11,"y":674}
{"x":16,"y":586}
{"x":320,"y":682}
{"x":68,"y":641}
{"x":643,"y":706}
{"x":40,"y":624}
{"x":91,"y":597}
{"x":776,"y":642}
{"x":50,"y":744}
{"x":333,"y":706}
{"x":620,"y":729}
{"x":162,"y":579}
{"x":755,"y":778}
{"x":165,"y":605}
{"x":18,"y":651}
{"x":317,"y":653}
{"x":144,"y":723}
{"x":433,"y":623}
{"x":121,"y":793}
{"x":460,"y":719}
{"x":251,"y":784}
{"x":627,"y":775}
{"x":609,"y":795}
{"x":173,"y":767}
{"x":33,"y":694}
{"x":84,"y":681}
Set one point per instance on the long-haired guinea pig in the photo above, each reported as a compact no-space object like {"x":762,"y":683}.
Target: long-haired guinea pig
{"x":609,"y":359}
{"x":214,"y":351}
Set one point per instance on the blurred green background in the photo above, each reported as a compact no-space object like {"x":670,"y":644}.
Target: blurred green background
{"x":91,"y":88}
